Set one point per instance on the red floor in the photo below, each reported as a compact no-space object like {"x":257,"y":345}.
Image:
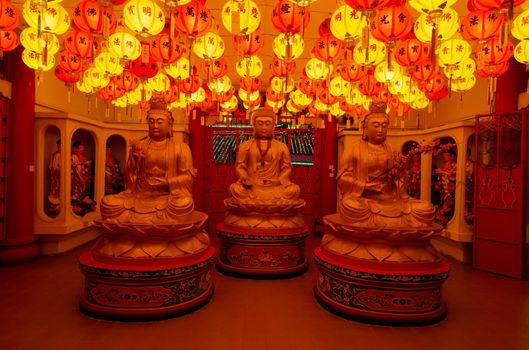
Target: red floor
{"x":38,"y":303}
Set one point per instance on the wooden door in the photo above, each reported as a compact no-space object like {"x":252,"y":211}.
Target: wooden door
{"x":499,"y":226}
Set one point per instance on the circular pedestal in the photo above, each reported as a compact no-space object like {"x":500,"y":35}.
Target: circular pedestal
{"x":394,"y":293}
{"x":260,"y":252}
{"x":147,"y":288}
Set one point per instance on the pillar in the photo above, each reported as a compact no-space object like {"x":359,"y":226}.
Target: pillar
{"x":20,"y":241}
{"x":329,"y":169}
{"x":197,"y":143}
{"x":509,"y":85}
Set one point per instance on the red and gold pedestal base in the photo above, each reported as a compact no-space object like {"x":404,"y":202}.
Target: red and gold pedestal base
{"x":137,"y":289}
{"x":262,"y":252}
{"x":382,"y":292}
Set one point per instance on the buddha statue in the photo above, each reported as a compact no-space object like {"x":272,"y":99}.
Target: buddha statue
{"x":263,"y":168}
{"x":374,"y":200}
{"x":157,"y":203}
{"x":54,"y":196}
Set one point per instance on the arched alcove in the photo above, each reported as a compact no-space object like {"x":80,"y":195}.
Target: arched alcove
{"x":469,"y":179}
{"x":444,"y":167}
{"x":82,"y":173}
{"x":51,"y":201}
{"x":414,"y":169}
{"x":115,"y":159}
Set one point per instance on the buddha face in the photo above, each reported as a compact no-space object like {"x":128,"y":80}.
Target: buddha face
{"x":376,"y":129}
{"x":263,"y":127}
{"x":159,"y":126}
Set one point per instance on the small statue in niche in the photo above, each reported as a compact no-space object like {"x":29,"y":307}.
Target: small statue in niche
{"x":81,"y":200}
{"x":469,"y":188}
{"x":414,"y":177}
{"x":445,"y":185}
{"x":54,"y":195}
{"x":113,"y":177}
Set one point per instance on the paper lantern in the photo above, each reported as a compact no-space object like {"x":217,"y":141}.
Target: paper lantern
{"x":307,"y":86}
{"x":431,"y":6}
{"x":423,"y":71}
{"x":520,"y":26}
{"x":453,"y":51}
{"x":128,"y":80}
{"x":320,"y":106}
{"x":249,"y":44}
{"x":274,"y":96}
{"x":68,"y":77}
{"x":347,"y":24}
{"x":369,"y":86}
{"x":247,"y":12}
{"x":190,"y":84}
{"x":328,"y":48}
{"x":124,"y":45}
{"x":216,"y":69}
{"x":464,"y":69}
{"x":159,"y":83}
{"x":363,"y":5}
{"x":52,"y":19}
{"x":375,"y":55}
{"x":275,"y":105}
{"x":180,"y":103}
{"x":355,"y":98}
{"x":82,"y":44}
{"x":280,"y":68}
{"x":352,"y":72}
{"x":249,"y":67}
{"x":198,"y":96}
{"x":84,"y":86}
{"x":411,"y":95}
{"x":434,"y":85}
{"x":447,"y":28}
{"x":392,"y":23}
{"x":209,"y":47}
{"x":493,"y":70}
{"x":9,"y":17}
{"x":336,"y":110}
{"x":420,"y":102}
{"x":192,"y":19}
{"x":231,"y":103}
{"x":463,"y":84}
{"x":179,"y":69}
{"x":95,"y":78}
{"x":225,"y":96}
{"x":300,"y":99}
{"x":8,"y":41}
{"x":482,"y":25}
{"x":166,"y":50}
{"x":31,"y":40}
{"x":144,"y":17}
{"x":250,"y":84}
{"x":288,"y":46}
{"x":438,"y":95}
{"x":220,"y":85}
{"x":493,"y":53}
{"x":90,"y":17}
{"x":317,"y":70}
{"x":247,"y":95}
{"x":401,"y":86}
{"x":325,"y":27}
{"x":108,"y":63}
{"x":386,"y":74}
{"x":288,"y":17}
{"x":292,"y":108}
{"x":71,"y":62}
{"x":144,"y":69}
{"x":521,"y":52}
{"x":410,"y":52}
{"x":35,"y":61}
{"x":113,"y":90}
{"x":282,"y":84}
{"x":325,"y":97}
{"x":493,"y":4}
{"x":303,"y":3}
{"x":339,"y":87}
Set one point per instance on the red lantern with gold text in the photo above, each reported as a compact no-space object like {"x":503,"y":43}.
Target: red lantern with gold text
{"x":166,"y":50}
{"x":192,"y":19}
{"x":215,"y":69}
{"x":411,"y":52}
{"x":127,"y":80}
{"x":90,"y":17}
{"x":288,"y":17}
{"x":8,"y":41}
{"x":369,"y":86}
{"x":273,"y":96}
{"x":280,"y":68}
{"x":144,"y":69}
{"x":82,"y":44}
{"x":437,"y":95}
{"x":190,"y":84}
{"x":68,"y":77}
{"x":250,"y":84}
{"x":307,"y":86}
{"x":482,"y":25}
{"x":392,"y":23}
{"x":9,"y":16}
{"x":328,"y":48}
{"x":423,"y":72}
{"x":248,"y":45}
{"x":493,"y":70}
{"x":353,"y":72}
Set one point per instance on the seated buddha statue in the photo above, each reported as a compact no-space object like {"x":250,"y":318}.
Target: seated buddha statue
{"x":158,"y":178}
{"x":263,"y":168}
{"x":371,"y":196}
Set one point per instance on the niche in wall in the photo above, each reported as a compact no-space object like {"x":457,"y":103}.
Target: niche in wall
{"x":469,"y":179}
{"x":51,"y":201}
{"x":444,"y":167}
{"x":115,"y":160}
{"x":82,"y":173}
{"x":414,"y":170}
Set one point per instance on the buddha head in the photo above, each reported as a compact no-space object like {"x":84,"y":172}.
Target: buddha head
{"x":375,"y":124}
{"x":160,"y":121}
{"x":264,"y":120}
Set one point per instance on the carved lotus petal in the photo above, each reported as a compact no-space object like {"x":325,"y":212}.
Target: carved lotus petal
{"x":153,"y":249}
{"x":379,"y":251}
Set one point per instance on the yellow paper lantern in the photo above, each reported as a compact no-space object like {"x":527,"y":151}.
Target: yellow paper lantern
{"x":30,"y":40}
{"x":520,"y":26}
{"x":288,"y":47}
{"x":317,"y":70}
{"x":108,"y":63}
{"x":376,"y":53}
{"x":303,"y":3}
{"x":347,"y":24}
{"x":463,"y":84}
{"x":464,"y":69}
{"x":142,"y":93}
{"x":198,"y":96}
{"x":181,"y":103}
{"x":34,"y":60}
{"x":431,"y":6}
{"x":84,"y":86}
{"x":231,"y":103}
{"x":300,"y":99}
{"x":121,"y":101}
{"x":292,"y":108}
{"x":178,"y":70}
{"x":414,"y":94}
{"x":247,"y":13}
{"x":124,"y":45}
{"x":402,"y":85}
{"x":453,"y":51}
{"x":339,"y":87}
{"x":282,"y":85}
{"x":320,"y":106}
{"x":249,"y":67}
{"x":209,"y":47}
{"x":447,"y":28}
{"x":220,"y":85}
{"x":51,"y":17}
{"x":144,"y":17}
{"x":355,"y":97}
{"x":159,"y":83}
{"x":386,"y":74}
{"x":336,"y":110}
{"x":245,"y":96}
{"x":95,"y":78}
{"x":275,"y":105}
{"x":521,"y":52}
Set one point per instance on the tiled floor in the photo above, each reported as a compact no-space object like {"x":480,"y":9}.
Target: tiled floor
{"x":38,"y":304}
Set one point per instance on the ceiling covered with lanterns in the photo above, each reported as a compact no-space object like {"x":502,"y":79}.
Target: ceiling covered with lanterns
{"x":295,"y":55}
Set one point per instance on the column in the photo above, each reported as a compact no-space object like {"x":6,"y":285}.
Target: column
{"x":197,"y":143}
{"x":20,"y":242}
{"x":509,"y":86}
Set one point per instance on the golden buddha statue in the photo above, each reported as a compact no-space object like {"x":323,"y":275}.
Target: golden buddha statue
{"x":157,"y":201}
{"x":374,"y":201}
{"x":263,"y":169}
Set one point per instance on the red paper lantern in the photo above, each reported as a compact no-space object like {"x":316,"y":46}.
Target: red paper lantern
{"x":369,"y":86}
{"x":492,"y":53}
{"x":383,"y":95}
{"x":308,"y":86}
{"x":325,"y":97}
{"x":411,"y":52}
{"x":493,"y":70}
{"x":288,"y":17}
{"x":491,"y":4}
{"x":280,"y":68}
{"x":9,"y":17}
{"x":423,"y":72}
{"x":250,"y":44}
{"x":437,"y":95}
{"x":364,"y":5}
{"x":346,"y":107}
{"x":113,"y":90}
{"x":82,"y":44}
{"x":169,"y":96}
{"x":325,"y":27}
{"x":273,"y":96}
{"x":165,"y":50}
{"x":90,"y":17}
{"x":8,"y":41}
{"x":352,"y":72}
{"x":328,"y":48}
{"x":127,"y":80}
{"x":215,"y":69}
{"x":192,"y":19}
{"x":190,"y":84}
{"x":254,"y":103}
{"x":482,"y":25}
{"x":69,"y":77}
{"x":225,"y":96}
{"x":208,"y":104}
{"x":103,"y":95}
{"x":397,"y":105}
{"x":71,"y":62}
{"x":249,"y":84}
{"x":392,"y":23}
{"x":144,"y":69}
{"x":436,"y":84}
{"x":358,"y":111}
